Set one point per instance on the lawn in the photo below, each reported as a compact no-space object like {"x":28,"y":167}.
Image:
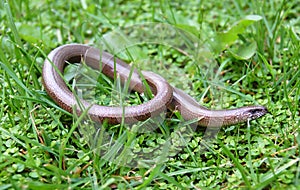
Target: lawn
{"x":226,"y":54}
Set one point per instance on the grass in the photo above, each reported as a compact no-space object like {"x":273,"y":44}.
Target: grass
{"x":42,"y":146}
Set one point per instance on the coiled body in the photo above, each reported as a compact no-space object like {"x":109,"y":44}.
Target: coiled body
{"x":165,"y":97}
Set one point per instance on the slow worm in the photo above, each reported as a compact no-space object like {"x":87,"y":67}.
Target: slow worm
{"x":165,"y":96}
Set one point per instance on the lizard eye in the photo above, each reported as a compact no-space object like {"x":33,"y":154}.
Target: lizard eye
{"x":258,"y":112}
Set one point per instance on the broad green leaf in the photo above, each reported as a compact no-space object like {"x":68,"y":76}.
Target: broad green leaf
{"x":244,"y":52}
{"x":223,"y":40}
{"x":188,"y":28}
{"x":117,"y":43}
{"x":33,"y":34}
